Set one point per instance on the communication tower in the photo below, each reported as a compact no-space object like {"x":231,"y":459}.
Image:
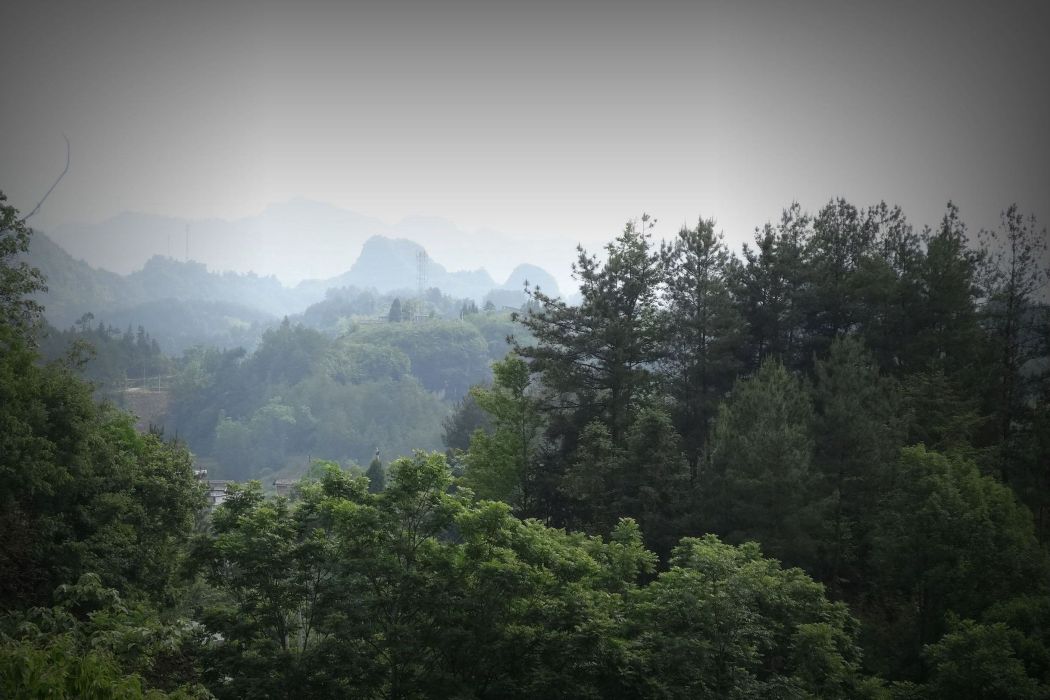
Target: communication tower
{"x":422,"y":261}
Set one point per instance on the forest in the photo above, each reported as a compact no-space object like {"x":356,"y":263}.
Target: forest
{"x":818,"y":467}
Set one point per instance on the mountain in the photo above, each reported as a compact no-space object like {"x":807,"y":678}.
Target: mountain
{"x":300,"y":239}
{"x":511,"y":295}
{"x":179,"y":324}
{"x":296,"y":240}
{"x":76,"y":288}
{"x":532,"y":276}
{"x":183,"y":303}
{"x":163,"y":278}
{"x":388,"y":265}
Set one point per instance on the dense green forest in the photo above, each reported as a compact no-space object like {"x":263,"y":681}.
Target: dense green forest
{"x":816,"y":469}
{"x":331,"y":383}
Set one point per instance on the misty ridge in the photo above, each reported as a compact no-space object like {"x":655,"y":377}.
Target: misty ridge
{"x":231,"y":308}
{"x":297,"y":240}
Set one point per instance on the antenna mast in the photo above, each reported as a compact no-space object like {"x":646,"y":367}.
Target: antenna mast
{"x":421,"y":279}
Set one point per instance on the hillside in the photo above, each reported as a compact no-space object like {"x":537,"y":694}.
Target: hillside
{"x":298,"y":240}
{"x":229,"y":308}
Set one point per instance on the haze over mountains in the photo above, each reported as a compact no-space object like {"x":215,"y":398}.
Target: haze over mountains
{"x":299,"y":240}
{"x":183,"y":303}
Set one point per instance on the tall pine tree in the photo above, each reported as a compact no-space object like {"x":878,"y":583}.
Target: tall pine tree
{"x":704,"y":331}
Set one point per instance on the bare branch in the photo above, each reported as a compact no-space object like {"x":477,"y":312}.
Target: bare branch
{"x":53,"y":185}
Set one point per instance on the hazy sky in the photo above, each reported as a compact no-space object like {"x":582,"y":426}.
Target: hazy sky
{"x":554,"y":118}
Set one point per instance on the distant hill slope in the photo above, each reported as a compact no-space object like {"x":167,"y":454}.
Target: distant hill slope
{"x":76,"y":288}
{"x":181,"y":303}
{"x":180,"y":324}
{"x":391,"y":264}
{"x":511,"y":295}
{"x":532,"y":276}
{"x":221,"y":308}
{"x":298,"y":240}
{"x":307,"y":240}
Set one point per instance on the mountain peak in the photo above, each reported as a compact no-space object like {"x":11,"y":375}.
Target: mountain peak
{"x":535,"y":276}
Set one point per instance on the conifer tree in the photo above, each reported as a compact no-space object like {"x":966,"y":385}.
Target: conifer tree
{"x":395,"y":313}
{"x":761,"y":484}
{"x":376,"y":475}
{"x":769,"y":285}
{"x":858,"y":432}
{"x":597,"y":357}
{"x":704,"y":331}
{"x":837,"y":255}
{"x":1017,"y":270}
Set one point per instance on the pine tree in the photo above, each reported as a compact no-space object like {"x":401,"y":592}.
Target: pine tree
{"x":704,"y":331}
{"x":858,"y":432}
{"x":761,"y":484}
{"x":769,"y":285}
{"x":395,"y":313}
{"x":837,"y":259}
{"x":596,"y":360}
{"x":891,"y":319}
{"x":376,"y":475}
{"x":597,"y":357}
{"x":1017,"y":273}
{"x":947,"y":334}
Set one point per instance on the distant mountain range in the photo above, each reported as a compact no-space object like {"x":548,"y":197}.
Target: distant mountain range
{"x":165,"y":290}
{"x":299,"y":240}
{"x":388,"y":265}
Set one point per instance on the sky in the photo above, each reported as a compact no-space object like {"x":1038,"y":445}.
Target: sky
{"x":553,"y":120}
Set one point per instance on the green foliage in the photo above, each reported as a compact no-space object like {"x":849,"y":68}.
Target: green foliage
{"x":501,"y":465}
{"x":394,"y":315}
{"x":80,"y":491}
{"x":106,"y":356}
{"x":846,"y":275}
{"x":622,"y":416}
{"x":762,"y":481}
{"x":92,"y":644}
{"x":271,"y":563}
{"x":497,"y":329}
{"x":356,"y":363}
{"x":419,"y":591}
{"x":1016,"y":275}
{"x":376,"y":475}
{"x":57,"y":670}
{"x":704,"y":333}
{"x":724,"y":622}
{"x":17,"y":279}
{"x":981,"y":662}
{"x":597,"y":356}
{"x":646,"y":479}
{"x":859,"y":433}
{"x":769,"y":285}
{"x":947,"y":539}
{"x":302,"y":395}
{"x":947,"y":335}
{"x":446,"y":356}
{"x":459,"y":425}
